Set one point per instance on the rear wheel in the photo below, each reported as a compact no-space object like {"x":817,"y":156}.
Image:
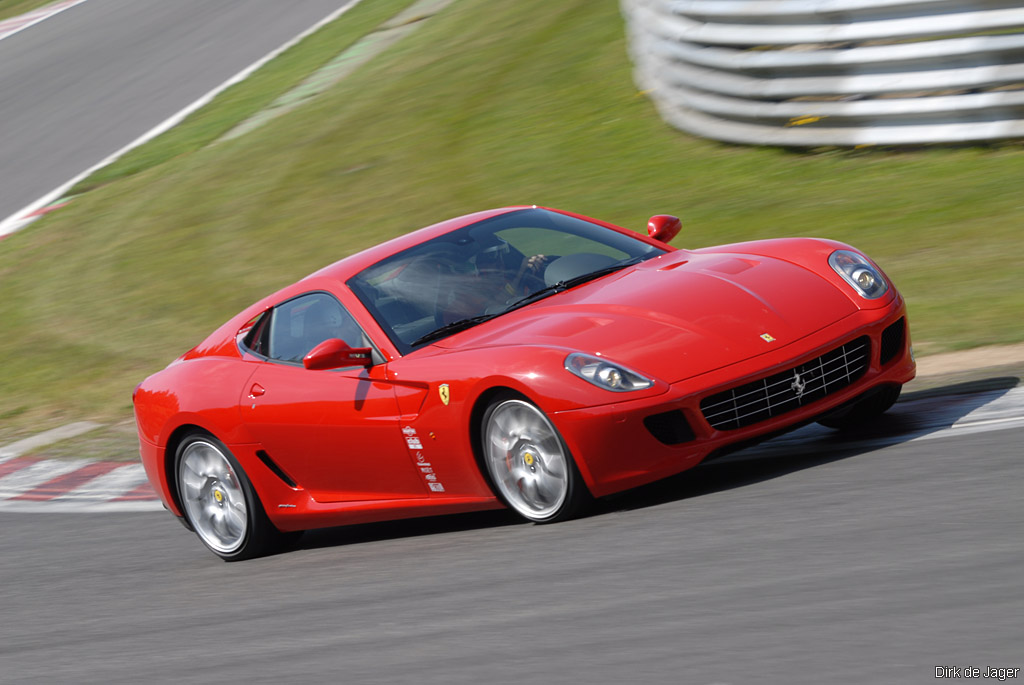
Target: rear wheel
{"x":863,"y":410}
{"x":219,"y":502}
{"x":528,"y":462}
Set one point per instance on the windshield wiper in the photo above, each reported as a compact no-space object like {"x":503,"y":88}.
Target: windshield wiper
{"x":463,"y":324}
{"x":572,"y":282}
{"x":453,"y":327}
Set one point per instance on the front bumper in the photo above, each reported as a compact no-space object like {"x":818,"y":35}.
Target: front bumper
{"x":626,"y":444}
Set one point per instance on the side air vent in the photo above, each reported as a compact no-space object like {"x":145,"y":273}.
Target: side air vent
{"x":278,"y":471}
{"x":670,"y":427}
{"x":893,"y":341}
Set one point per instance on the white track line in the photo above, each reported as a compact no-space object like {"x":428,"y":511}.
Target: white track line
{"x":65,"y":507}
{"x":23,"y":216}
{"x":9,"y":27}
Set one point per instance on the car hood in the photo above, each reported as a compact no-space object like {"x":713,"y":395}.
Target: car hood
{"x":675,"y":316}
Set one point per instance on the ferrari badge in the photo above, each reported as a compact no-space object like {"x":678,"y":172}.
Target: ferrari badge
{"x":442,"y":390}
{"x":767,"y":337}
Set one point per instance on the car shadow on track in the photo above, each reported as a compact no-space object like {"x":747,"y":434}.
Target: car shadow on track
{"x":405,"y":528}
{"x":915,"y":416}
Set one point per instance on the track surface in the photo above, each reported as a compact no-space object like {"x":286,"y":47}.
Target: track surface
{"x":79,"y":86}
{"x":864,"y":565}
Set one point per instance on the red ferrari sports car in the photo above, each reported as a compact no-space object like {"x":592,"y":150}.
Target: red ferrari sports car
{"x":521,"y":357}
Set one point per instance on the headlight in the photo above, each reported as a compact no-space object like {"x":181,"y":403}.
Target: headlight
{"x":605,"y":374}
{"x":859,"y":273}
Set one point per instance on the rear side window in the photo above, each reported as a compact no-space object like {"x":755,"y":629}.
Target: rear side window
{"x":256,"y":340}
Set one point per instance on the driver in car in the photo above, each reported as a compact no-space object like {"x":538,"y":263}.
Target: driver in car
{"x":492,"y":268}
{"x":493,"y":282}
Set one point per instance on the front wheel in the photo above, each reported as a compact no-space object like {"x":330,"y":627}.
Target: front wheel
{"x":529,"y":464}
{"x":220,"y":503}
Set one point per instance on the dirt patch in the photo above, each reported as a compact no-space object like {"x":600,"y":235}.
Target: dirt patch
{"x":967,"y":360}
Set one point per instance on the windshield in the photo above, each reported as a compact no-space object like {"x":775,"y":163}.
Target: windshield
{"x":482,"y":270}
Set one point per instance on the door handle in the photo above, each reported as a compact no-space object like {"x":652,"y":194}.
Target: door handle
{"x":256,"y":390}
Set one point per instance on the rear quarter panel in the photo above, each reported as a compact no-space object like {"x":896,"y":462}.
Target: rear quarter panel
{"x":202,"y":392}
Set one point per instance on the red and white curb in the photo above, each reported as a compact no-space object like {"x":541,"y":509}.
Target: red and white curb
{"x":30,"y":483}
{"x":53,"y":485}
{"x":8,"y":27}
{"x":18,"y":221}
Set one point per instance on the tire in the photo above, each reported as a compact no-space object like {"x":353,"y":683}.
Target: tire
{"x":863,"y":410}
{"x":528,"y":463}
{"x":219,"y":501}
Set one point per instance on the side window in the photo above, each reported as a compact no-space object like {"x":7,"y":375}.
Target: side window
{"x":299,"y":325}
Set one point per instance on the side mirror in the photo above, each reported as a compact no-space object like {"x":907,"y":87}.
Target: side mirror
{"x":336,"y":354}
{"x":664,"y":227}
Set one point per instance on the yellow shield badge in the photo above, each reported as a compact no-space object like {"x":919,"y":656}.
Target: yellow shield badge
{"x":442,"y":390}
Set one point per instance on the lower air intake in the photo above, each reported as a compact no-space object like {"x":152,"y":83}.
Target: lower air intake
{"x":670,"y":427}
{"x":893,"y":338}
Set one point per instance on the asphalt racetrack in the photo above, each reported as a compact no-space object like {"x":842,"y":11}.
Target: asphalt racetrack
{"x":81,"y":85}
{"x":800,"y":561}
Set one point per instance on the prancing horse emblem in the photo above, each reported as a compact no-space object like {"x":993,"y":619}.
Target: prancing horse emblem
{"x":445,"y":394}
{"x":798,"y":385}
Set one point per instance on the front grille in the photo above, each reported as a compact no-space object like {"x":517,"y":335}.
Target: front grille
{"x":782,"y":392}
{"x":892,"y":341}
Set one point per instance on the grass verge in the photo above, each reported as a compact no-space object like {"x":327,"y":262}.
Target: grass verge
{"x":14,"y":8}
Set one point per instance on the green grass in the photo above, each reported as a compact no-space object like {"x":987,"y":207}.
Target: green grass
{"x":13,"y":8}
{"x":488,"y":104}
{"x":251,"y":96}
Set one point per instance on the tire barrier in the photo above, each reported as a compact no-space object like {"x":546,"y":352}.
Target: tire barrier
{"x":809,"y":73}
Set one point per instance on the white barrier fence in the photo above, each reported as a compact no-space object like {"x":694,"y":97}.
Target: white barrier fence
{"x":809,"y":73}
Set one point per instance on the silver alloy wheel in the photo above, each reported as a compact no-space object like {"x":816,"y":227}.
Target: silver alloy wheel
{"x":213,"y":497}
{"x":526,"y":460}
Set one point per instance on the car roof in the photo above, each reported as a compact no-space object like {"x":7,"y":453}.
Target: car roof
{"x":344,"y":269}
{"x":333,"y":277}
